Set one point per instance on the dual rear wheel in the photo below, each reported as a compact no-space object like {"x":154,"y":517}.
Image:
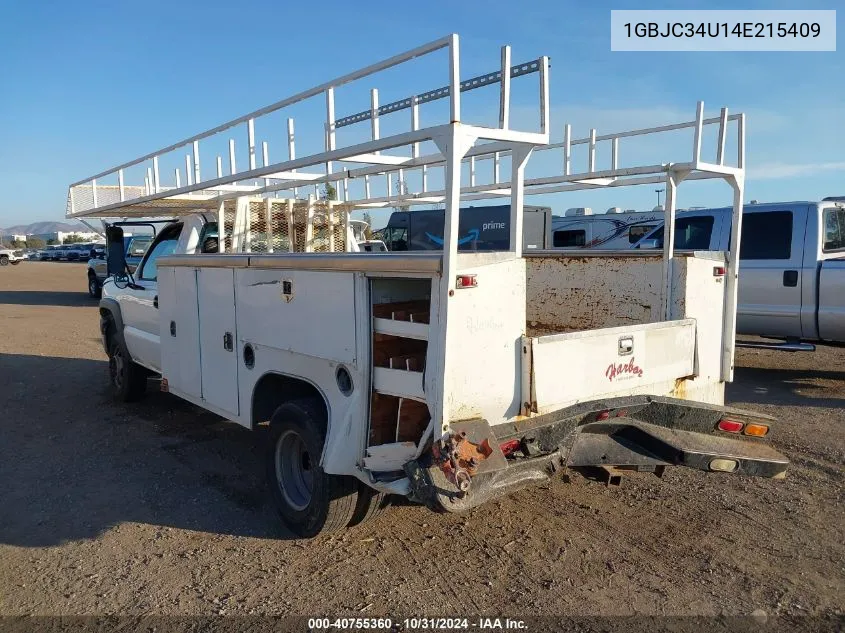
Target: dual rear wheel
{"x":308,"y":500}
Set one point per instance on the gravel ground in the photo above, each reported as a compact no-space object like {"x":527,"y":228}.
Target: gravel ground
{"x":159,"y":507}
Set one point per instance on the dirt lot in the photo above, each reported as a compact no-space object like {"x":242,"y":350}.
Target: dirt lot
{"x":159,"y":507}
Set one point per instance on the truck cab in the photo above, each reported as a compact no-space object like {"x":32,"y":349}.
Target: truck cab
{"x":792,"y":263}
{"x":136,"y":290}
{"x":133,"y":248}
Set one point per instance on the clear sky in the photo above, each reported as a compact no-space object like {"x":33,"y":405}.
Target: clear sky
{"x":86,"y":85}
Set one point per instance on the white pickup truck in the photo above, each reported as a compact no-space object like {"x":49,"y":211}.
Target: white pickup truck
{"x":792,"y":267}
{"x":446,"y":377}
{"x":11,"y":256}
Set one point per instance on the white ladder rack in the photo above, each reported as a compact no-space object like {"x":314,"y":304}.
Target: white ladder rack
{"x":108,"y":194}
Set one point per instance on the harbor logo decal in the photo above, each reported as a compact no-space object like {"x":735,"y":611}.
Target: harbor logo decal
{"x":622,"y":371}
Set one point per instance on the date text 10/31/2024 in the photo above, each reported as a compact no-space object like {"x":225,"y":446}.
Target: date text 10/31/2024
{"x":418,"y":624}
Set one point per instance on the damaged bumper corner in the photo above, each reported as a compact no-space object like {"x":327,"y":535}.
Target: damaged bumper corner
{"x":642,"y":433}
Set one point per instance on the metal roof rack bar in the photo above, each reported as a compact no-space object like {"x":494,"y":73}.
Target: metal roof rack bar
{"x":440,"y":93}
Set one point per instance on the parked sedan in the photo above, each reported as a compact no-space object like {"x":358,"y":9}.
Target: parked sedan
{"x":62,"y":251}
{"x":77,"y":252}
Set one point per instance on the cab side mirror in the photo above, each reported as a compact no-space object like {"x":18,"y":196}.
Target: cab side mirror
{"x":115,"y":251}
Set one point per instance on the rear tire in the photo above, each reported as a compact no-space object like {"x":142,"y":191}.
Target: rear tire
{"x":95,"y":291}
{"x":371,"y":503}
{"x":4,"y":260}
{"x":309,"y":501}
{"x":128,"y":379}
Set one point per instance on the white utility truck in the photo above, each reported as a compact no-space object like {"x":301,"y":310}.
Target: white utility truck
{"x":446,"y":377}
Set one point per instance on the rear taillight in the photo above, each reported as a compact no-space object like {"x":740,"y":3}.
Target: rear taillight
{"x":509,"y":447}
{"x":757,"y":430}
{"x":729,"y":426}
{"x":466,"y":281}
{"x":718,"y":271}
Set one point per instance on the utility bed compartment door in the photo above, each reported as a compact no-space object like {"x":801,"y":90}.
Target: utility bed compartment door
{"x":219,"y":351}
{"x":563,"y":369}
{"x":179,"y":334}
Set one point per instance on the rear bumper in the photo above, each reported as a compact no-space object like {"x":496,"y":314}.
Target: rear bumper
{"x":639,"y":433}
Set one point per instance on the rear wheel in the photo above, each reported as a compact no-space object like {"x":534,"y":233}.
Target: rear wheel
{"x":371,"y":503}
{"x":94,"y":289}
{"x":308,"y":500}
{"x":4,"y":260}
{"x":128,"y":379}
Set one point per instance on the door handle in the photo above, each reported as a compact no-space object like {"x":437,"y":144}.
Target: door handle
{"x":790,"y":278}
{"x":227,"y":341}
{"x":155,"y":302}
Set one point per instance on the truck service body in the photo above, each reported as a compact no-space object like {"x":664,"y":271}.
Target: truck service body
{"x":445,"y":376}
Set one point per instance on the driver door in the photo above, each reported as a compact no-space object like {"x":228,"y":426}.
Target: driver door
{"x":139,"y":306}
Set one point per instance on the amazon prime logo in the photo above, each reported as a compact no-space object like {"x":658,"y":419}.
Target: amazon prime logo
{"x":472,"y":235}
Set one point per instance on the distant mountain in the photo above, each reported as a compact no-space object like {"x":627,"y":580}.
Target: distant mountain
{"x":38,"y":228}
